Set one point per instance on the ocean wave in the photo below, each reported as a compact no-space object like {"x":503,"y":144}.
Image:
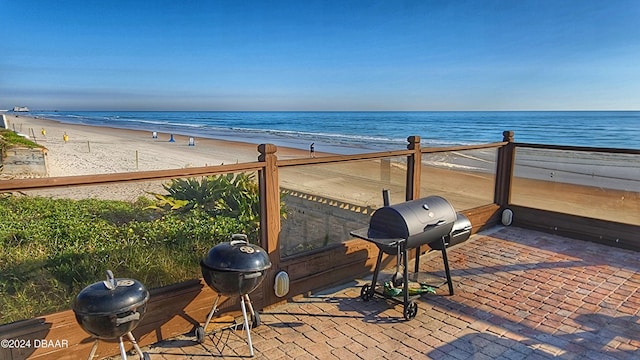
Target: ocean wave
{"x":375,"y":131}
{"x":446,"y":165}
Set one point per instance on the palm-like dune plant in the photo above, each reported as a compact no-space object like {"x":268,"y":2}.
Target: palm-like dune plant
{"x":231,"y":195}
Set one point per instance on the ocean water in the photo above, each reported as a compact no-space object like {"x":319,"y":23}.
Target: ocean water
{"x":357,"y":132}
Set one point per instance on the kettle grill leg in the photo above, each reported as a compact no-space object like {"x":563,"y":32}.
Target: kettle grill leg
{"x":213,"y":310}
{"x":246,"y":325}
{"x":123,"y":352}
{"x":93,"y":350}
{"x":135,"y":345}
{"x":246,"y":297}
{"x":255,"y":317}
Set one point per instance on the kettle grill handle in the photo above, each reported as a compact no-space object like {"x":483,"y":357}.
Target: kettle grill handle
{"x":128,"y":318}
{"x":253,"y":275}
{"x":110,"y":283}
{"x":238,"y":239}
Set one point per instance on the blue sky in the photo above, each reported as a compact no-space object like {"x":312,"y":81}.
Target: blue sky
{"x":320,"y":55}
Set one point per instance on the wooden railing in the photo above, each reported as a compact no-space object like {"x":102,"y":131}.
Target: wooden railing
{"x":307,"y":271}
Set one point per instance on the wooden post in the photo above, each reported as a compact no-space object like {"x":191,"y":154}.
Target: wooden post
{"x":269,"y":188}
{"x":385,"y":170}
{"x":414,"y":168}
{"x":504,"y":170}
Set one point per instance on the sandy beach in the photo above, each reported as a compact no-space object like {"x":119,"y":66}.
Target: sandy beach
{"x":90,"y":150}
{"x":99,"y":150}
{"x":93,"y":150}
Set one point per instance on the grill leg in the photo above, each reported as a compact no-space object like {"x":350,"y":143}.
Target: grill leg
{"x":246,"y":325}
{"x":446,"y":265}
{"x":396,"y":277}
{"x":405,"y":277}
{"x":213,"y":310}
{"x":123,"y":352}
{"x":93,"y":350}
{"x":376,"y":271}
{"x":135,"y":345}
{"x":246,"y":296}
{"x":417,"y":267}
{"x":255,"y":317}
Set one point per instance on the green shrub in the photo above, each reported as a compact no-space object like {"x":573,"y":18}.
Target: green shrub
{"x":57,"y":247}
{"x":230,"y":195}
{"x":10,"y":138}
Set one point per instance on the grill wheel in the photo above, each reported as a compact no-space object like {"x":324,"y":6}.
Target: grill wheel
{"x":411,"y":310}
{"x":365,"y":293}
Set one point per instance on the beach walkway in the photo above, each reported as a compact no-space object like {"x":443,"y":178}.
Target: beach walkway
{"x":519,"y":294}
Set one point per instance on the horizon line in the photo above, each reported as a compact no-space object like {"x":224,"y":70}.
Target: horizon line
{"x":318,"y":111}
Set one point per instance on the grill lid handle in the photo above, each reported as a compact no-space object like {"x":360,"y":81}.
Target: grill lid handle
{"x":253,"y":275}
{"x":110,"y":283}
{"x":439,"y":223}
{"x":128,"y":318}
{"x":238,"y":239}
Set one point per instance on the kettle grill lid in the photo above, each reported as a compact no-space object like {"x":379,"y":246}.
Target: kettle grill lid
{"x":237,"y":255}
{"x":111,"y":296}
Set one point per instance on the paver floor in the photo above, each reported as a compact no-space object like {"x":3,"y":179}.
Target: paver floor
{"x":519,"y":294}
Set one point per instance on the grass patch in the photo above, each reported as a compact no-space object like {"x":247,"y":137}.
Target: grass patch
{"x":10,"y":138}
{"x":50,"y":249}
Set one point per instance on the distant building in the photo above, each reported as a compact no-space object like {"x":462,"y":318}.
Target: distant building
{"x":20,"y":109}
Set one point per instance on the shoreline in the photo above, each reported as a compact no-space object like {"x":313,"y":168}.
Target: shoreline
{"x":463,"y":178}
{"x":361,"y":132}
{"x":611,"y":170}
{"x":93,"y":149}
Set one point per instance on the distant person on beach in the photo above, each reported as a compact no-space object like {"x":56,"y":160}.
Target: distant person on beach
{"x":312,"y":150}
{"x":43,"y":132}
{"x":65,"y":137}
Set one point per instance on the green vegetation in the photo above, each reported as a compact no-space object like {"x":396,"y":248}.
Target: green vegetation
{"x":57,"y":247}
{"x":9,"y":138}
{"x":231,"y":195}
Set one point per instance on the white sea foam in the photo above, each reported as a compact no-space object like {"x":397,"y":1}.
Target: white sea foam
{"x":346,"y":132}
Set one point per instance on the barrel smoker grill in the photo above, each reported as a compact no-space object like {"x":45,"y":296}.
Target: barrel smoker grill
{"x":399,"y":228}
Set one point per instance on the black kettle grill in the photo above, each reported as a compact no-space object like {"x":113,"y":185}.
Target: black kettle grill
{"x":234,"y":268}
{"x":396,"y":229}
{"x":111,"y":309}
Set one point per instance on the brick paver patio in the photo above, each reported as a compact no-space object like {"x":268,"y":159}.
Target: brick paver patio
{"x":519,"y":294}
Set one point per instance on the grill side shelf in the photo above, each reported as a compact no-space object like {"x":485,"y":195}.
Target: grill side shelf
{"x":377,"y":237}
